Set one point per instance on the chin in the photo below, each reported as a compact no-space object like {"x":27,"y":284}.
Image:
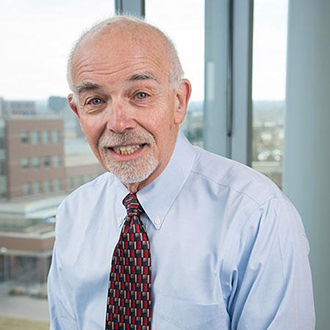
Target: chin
{"x":131,"y":172}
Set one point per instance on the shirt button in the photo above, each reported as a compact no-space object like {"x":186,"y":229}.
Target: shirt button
{"x":158,"y":221}
{"x":120,"y":219}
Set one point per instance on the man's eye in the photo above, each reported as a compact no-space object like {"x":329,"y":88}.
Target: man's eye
{"x":95,"y":101}
{"x":141,"y":95}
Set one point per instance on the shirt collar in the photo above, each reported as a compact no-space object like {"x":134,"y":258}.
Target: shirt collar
{"x":120,"y":193}
{"x":158,"y":196}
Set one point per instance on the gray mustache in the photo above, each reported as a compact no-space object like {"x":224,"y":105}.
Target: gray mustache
{"x":109,"y":139}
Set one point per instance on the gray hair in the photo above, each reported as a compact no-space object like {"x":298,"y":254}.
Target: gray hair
{"x":175,"y":71}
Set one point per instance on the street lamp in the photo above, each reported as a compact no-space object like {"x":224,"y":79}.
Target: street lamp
{"x":4,"y":251}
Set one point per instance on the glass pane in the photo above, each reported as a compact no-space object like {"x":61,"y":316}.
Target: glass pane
{"x":45,"y":137}
{"x":187,"y":33}
{"x":36,"y":162}
{"x":36,"y":36}
{"x":55,"y":136}
{"x":34,"y":137}
{"x":25,"y":162}
{"x":269,"y":74}
{"x":36,"y":188}
{"x":24,"y":137}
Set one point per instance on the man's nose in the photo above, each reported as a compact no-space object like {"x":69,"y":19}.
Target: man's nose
{"x":120,"y":118}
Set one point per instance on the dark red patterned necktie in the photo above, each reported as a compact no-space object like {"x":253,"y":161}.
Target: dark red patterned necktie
{"x":129,"y":294}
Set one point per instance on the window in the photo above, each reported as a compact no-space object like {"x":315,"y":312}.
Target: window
{"x":2,"y":143}
{"x":24,"y":137}
{"x":34,"y":137}
{"x":26,"y":189}
{"x":56,"y":161}
{"x":25,"y":162}
{"x":32,"y":27}
{"x":268,"y":95}
{"x":46,"y":186}
{"x":55,"y":136}
{"x":57,"y":185}
{"x":3,"y":186}
{"x":187,"y":32}
{"x":45,"y":137}
{"x":2,"y":167}
{"x":36,"y":188}
{"x":36,"y":162}
{"x":47,"y":161}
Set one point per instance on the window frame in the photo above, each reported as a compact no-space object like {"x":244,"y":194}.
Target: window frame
{"x":228,"y":79}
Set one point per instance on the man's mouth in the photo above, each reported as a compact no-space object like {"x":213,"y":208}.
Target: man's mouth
{"x":127,"y":150}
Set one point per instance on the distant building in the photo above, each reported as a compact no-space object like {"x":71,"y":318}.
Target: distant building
{"x":193,"y":123}
{"x":36,"y":174}
{"x":12,"y":108}
{"x":1,"y":107}
{"x":34,"y":156}
{"x":31,"y":172}
{"x":57,"y":103}
{"x":80,"y":169}
{"x":33,"y":161}
{"x":26,"y":239}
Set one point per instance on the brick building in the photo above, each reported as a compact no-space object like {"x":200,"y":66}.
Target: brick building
{"x":34,"y":156}
{"x":36,"y":174}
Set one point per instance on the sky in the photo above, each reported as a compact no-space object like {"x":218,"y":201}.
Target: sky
{"x":37,"y":35}
{"x":269,"y":49}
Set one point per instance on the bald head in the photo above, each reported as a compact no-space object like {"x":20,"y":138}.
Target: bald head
{"x":119,"y":29}
{"x":127,"y":85}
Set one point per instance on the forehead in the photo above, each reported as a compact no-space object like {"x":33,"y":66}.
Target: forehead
{"x":120,"y":54}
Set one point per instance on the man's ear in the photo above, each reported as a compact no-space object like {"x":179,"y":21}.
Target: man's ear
{"x":182,"y":99}
{"x":72,"y":104}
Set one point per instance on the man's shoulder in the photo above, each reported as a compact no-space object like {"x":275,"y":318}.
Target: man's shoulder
{"x":234,"y":176}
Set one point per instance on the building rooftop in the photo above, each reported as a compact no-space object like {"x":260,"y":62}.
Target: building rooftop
{"x":79,"y":160}
{"x":39,"y":209}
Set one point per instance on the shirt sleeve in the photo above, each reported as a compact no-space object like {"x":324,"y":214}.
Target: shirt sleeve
{"x":61,"y":314}
{"x":271,"y":285}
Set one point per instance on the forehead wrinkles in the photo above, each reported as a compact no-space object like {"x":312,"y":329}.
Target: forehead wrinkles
{"x":109,"y":55}
{"x":87,"y":70}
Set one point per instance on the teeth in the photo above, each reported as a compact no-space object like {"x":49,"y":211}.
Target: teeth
{"x":126,"y":150}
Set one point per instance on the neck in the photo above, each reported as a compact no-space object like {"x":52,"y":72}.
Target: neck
{"x":133,"y":187}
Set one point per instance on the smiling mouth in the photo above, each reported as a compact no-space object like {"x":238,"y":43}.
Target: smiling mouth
{"x":127,"y":150}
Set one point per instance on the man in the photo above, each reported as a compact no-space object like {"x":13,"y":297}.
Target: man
{"x":201,"y":241}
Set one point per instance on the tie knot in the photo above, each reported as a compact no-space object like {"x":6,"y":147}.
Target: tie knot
{"x":132,"y":205}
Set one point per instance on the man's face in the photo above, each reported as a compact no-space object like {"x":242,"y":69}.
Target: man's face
{"x":126,"y":106}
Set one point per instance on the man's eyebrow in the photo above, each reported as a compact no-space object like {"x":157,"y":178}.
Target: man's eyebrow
{"x":86,"y":87}
{"x":142,"y":76}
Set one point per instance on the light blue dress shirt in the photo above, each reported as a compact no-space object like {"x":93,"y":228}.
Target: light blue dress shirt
{"x":228,"y":249}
